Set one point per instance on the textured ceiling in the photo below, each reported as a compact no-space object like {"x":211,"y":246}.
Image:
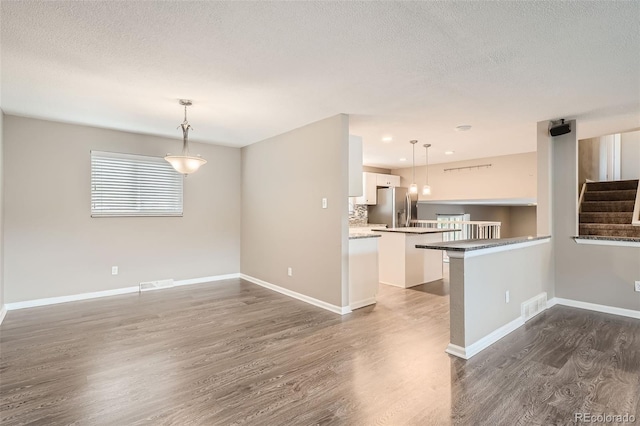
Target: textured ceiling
{"x":410,"y":70}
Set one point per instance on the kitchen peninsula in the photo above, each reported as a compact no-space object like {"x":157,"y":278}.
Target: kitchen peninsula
{"x":511,"y":275}
{"x":401,"y":264}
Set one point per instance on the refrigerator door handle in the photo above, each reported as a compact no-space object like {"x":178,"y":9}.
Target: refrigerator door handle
{"x":407,"y":200}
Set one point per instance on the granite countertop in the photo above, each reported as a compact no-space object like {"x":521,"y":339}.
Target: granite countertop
{"x":368,"y":225}
{"x":415,"y":230}
{"x":361,"y":235}
{"x":601,"y":238}
{"x":468,"y":245}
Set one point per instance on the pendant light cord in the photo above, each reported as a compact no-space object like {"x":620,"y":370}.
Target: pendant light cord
{"x":414,"y":164}
{"x":427,"y":173}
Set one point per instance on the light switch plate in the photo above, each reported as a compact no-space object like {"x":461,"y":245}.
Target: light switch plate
{"x":324,"y":203}
{"x":638,"y":286}
{"x":114,"y":270}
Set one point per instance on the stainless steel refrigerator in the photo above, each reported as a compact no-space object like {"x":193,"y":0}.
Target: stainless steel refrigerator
{"x":395,"y":207}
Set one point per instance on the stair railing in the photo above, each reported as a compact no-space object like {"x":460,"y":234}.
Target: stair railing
{"x":471,"y":229}
{"x":635,"y":220}
{"x":582,"y":191}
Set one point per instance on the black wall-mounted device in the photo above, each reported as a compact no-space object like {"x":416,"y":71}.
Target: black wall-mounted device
{"x":560,"y":129}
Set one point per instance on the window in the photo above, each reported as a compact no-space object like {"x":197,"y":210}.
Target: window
{"x":134,"y":185}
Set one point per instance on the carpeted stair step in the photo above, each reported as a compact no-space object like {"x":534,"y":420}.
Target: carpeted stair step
{"x":617,"y":195}
{"x":618,"y":185}
{"x":609,"y":217}
{"x":610,"y":230}
{"x":607,"y":206}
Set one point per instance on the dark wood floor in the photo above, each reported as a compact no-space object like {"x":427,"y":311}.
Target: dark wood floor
{"x":234,"y":353}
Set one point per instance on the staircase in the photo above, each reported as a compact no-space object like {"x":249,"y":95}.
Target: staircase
{"x":607,"y":209}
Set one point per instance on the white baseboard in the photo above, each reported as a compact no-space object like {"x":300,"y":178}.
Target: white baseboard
{"x":71,"y":298}
{"x":486,"y":341}
{"x":206,"y":279}
{"x":595,"y":307}
{"x":106,"y":293}
{"x":362,"y":303}
{"x":393,"y":285}
{"x":3,"y":312}
{"x":456,"y":350}
{"x":311,"y":300}
{"x":491,"y":338}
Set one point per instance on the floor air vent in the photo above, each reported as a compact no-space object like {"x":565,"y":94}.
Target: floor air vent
{"x":534,"y":306}
{"x":156,"y":285}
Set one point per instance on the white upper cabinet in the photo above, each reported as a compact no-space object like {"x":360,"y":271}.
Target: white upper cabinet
{"x":387,"y":180}
{"x":355,"y":166}
{"x":369,"y":187}
{"x":370,"y":184}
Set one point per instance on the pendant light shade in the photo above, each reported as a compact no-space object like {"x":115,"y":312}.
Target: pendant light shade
{"x":413,"y":188}
{"x":185,"y":163}
{"x":426,"y":189}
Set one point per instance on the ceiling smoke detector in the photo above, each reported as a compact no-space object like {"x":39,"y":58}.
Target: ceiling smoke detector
{"x":463,"y":128}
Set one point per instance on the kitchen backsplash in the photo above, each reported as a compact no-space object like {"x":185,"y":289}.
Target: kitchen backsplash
{"x":357,"y":214}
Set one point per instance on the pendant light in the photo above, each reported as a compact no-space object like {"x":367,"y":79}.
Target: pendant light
{"x":413,"y":188}
{"x":426,"y":189}
{"x":185,"y":163}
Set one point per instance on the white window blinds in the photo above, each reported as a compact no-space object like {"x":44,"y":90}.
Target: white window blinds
{"x":134,"y":185}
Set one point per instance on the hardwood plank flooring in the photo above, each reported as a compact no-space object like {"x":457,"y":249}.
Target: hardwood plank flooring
{"x":231,"y":353}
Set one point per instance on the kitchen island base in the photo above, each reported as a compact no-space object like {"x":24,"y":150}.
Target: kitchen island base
{"x":402,"y":264}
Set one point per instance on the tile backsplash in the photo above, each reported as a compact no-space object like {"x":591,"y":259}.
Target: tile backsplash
{"x":357,"y":214}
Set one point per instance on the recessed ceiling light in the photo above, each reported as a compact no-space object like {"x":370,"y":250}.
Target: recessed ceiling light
{"x":387,"y":139}
{"x":403,"y":159}
{"x":449,"y":152}
{"x":463,"y":127}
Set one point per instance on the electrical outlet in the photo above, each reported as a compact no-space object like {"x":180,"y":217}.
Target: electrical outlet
{"x":506,"y":296}
{"x":114,"y":270}
{"x":638,"y":286}
{"x":290,"y":271}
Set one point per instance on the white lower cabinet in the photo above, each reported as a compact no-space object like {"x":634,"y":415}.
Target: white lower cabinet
{"x":363,"y":272}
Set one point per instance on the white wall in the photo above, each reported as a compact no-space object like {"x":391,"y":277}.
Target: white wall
{"x":630,"y":155}
{"x":54,"y":248}
{"x":370,"y":169}
{"x":522,"y":221}
{"x":284,"y":179}
{"x":481,"y":282}
{"x":1,"y":212}
{"x":510,"y":176}
{"x":589,"y":160}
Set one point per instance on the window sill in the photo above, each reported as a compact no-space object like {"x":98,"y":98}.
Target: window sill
{"x":607,"y":241}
